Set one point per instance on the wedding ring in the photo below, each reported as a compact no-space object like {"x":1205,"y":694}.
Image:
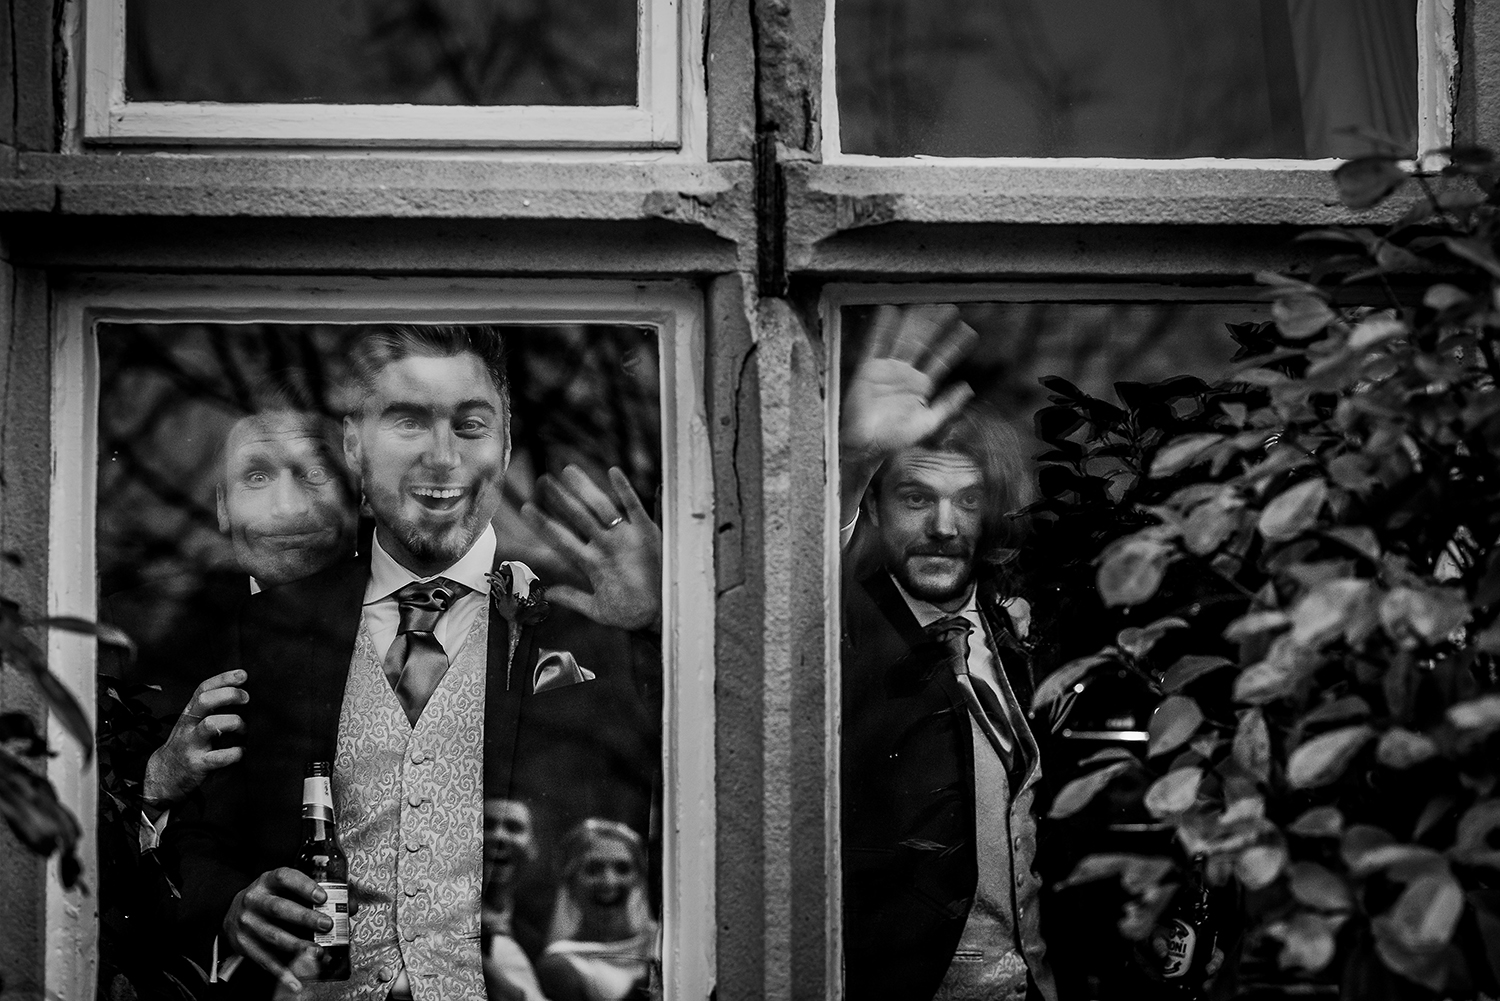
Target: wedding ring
{"x":618,"y":519}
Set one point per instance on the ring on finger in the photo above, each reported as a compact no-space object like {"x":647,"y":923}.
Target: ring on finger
{"x":617,"y":519}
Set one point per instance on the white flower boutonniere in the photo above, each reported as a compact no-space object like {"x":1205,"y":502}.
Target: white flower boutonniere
{"x":517,"y":594}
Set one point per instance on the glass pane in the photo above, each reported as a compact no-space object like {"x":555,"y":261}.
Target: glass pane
{"x":1127,"y":78}
{"x":951,"y":613}
{"x":517,"y":778}
{"x":451,"y":52}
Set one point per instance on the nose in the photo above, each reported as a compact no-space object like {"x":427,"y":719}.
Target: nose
{"x":287,"y":496}
{"x":944,"y":519}
{"x":442,"y":451}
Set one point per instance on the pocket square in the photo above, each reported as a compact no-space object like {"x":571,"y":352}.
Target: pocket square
{"x":557,"y":669}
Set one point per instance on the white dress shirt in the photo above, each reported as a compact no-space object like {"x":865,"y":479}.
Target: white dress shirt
{"x":382,"y":611}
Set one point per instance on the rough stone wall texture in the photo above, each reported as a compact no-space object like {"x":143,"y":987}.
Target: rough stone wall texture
{"x":25,"y":475}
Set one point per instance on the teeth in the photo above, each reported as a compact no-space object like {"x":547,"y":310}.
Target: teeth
{"x":438,"y":494}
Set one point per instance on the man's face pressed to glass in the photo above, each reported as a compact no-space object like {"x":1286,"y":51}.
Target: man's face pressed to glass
{"x":430,"y":444}
{"x":282,"y":500}
{"x":928,"y":513}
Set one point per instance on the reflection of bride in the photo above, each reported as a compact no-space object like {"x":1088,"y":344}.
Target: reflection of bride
{"x":603,"y":941}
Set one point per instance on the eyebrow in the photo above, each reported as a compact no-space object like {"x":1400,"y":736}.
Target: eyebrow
{"x":402,"y":407}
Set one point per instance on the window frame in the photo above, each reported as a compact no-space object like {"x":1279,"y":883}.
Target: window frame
{"x":674,"y":308}
{"x":668,"y":48}
{"x":835,"y":296}
{"x":1437,"y":79}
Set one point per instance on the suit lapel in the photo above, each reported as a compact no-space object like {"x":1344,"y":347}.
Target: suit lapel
{"x":507,"y":685}
{"x":336,"y":606}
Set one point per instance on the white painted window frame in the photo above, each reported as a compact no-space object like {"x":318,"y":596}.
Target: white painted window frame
{"x":836,"y":296}
{"x":1437,"y":78}
{"x":668,"y":48}
{"x":673,"y":308}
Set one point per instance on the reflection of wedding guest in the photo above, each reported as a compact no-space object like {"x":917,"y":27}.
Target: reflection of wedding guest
{"x":604,"y":938}
{"x":284,"y":504}
{"x":508,"y":848}
{"x":427,"y":690}
{"x":940,"y":765}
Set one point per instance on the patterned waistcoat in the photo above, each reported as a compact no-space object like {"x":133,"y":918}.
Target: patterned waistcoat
{"x":411,"y":816}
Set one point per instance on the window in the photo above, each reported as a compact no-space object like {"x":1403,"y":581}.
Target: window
{"x":1141,"y":80}
{"x":142,"y":376}
{"x":608,"y":74}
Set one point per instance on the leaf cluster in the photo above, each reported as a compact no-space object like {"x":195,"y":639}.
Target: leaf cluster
{"x":1317,"y":539}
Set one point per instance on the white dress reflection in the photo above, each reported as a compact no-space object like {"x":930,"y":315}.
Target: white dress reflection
{"x":604,"y":939}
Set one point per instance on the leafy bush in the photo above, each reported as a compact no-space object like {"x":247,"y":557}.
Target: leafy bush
{"x":1309,"y":553}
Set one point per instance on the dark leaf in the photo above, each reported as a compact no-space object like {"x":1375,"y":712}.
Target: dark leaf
{"x":1139,"y":640}
{"x":1475,"y":252}
{"x":1481,"y":714}
{"x":1401,"y":748}
{"x":1299,"y":317}
{"x":1180,"y":453}
{"x":1174,"y":793}
{"x":1063,"y":387}
{"x":1252,"y":744}
{"x":1059,"y":681}
{"x":20,"y":727}
{"x":20,"y":652}
{"x":1054,"y":424}
{"x":1317,"y":887}
{"x":1368,"y":180}
{"x":1132,"y":570}
{"x":1477,"y":829}
{"x":1173,"y":724}
{"x":1319,"y":822}
{"x":1081,"y":791}
{"x":1189,"y":669}
{"x":30,"y":807}
{"x":1307,"y":941}
{"x":108,"y":634}
{"x":1293,"y":511}
{"x":1323,"y":759}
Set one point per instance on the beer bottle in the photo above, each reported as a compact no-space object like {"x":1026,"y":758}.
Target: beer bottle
{"x":1187,"y":938}
{"x":324,"y":861}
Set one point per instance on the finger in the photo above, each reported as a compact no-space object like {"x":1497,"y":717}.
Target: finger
{"x":271,"y":935}
{"x":922,"y":327}
{"x":626,"y":497}
{"x":288,"y":882}
{"x":586,"y":490}
{"x":560,"y":501}
{"x":258,"y":955}
{"x":225,"y":680}
{"x":563,"y":541}
{"x":221,"y":757}
{"x":219,"y":698}
{"x":949,"y":402}
{"x":284,"y":913}
{"x":224,"y":723}
{"x":959,"y":340}
{"x":305,"y":966}
{"x":573,"y":599}
{"x":883,"y":328}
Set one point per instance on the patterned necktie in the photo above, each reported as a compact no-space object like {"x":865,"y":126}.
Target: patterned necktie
{"x":416,"y":662}
{"x":984,"y":706}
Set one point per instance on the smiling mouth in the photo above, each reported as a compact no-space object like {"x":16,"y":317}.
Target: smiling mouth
{"x":438,"y":498}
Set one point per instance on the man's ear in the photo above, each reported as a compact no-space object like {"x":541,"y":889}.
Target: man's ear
{"x":222,"y":507}
{"x":870,"y":507}
{"x":352,"y":454}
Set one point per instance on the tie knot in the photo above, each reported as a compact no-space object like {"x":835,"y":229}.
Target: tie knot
{"x":948,"y":628}
{"x":423,"y":603}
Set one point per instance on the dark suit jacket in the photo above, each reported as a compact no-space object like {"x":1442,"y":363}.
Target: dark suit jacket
{"x":907,"y":773}
{"x":589,"y":749}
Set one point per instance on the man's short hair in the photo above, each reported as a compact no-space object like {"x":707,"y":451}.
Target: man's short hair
{"x":383,"y":345}
{"x":979,"y":433}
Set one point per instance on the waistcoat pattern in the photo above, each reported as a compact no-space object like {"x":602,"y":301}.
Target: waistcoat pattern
{"x":410,"y":814}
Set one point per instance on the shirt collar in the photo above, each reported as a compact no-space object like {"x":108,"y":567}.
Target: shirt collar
{"x":927,"y":613}
{"x":387,"y":576}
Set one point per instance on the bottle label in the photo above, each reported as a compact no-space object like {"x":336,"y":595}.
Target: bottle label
{"x":1180,"y":941}
{"x":317,"y":797}
{"x":337,"y":908}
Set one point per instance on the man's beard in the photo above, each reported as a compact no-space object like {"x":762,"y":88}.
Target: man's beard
{"x":924,"y":591}
{"x":443,"y":547}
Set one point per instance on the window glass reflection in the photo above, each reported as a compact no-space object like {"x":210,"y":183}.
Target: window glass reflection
{"x":446,"y":52}
{"x":1127,"y":78}
{"x":950,"y":618}
{"x":379,"y":550}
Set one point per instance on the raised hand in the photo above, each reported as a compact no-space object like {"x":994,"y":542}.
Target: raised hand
{"x":181,"y":764}
{"x":892,"y":401}
{"x":612,"y":542}
{"x":271,"y":923}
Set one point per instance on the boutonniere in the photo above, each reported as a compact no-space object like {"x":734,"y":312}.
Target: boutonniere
{"x":517,"y":594}
{"x":1019,"y":611}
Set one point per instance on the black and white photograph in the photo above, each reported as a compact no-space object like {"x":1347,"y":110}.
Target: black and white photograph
{"x":750,"y":500}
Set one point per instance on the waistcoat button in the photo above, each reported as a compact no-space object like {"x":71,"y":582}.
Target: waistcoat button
{"x":385,"y":974}
{"x":414,"y":801}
